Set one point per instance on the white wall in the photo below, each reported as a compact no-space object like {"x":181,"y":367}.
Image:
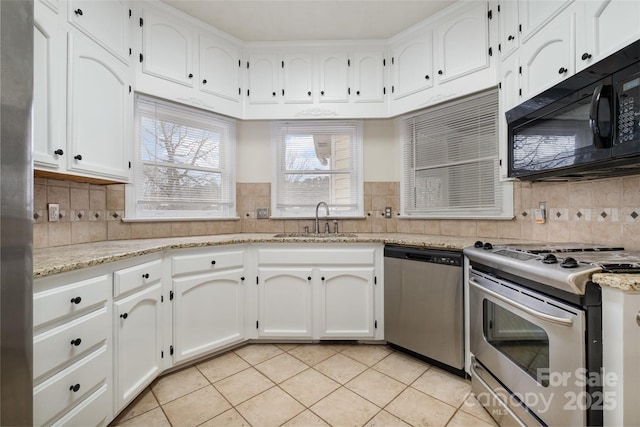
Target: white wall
{"x":381,"y":151}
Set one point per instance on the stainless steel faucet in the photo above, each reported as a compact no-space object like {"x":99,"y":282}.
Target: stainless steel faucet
{"x":317,"y":226}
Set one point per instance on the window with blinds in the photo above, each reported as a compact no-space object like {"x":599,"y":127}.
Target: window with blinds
{"x":184,"y":163}
{"x":317,"y":161}
{"x":450,"y":161}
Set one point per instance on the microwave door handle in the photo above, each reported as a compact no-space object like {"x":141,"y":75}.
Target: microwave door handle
{"x":599,"y":140}
{"x":535,"y":313}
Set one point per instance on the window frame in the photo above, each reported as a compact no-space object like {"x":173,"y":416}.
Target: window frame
{"x":277,"y":129}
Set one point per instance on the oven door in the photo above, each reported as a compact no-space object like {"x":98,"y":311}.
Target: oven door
{"x":533,"y":345}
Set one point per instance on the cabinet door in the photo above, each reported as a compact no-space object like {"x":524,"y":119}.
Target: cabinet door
{"x":345,"y":305}
{"x":208,"y":313}
{"x":167,"y":48}
{"x":48,"y":96}
{"x":510,"y":94}
{"x":138,"y":342}
{"x":607,"y":26}
{"x":462,"y":43}
{"x":219,"y":69}
{"x":105,"y":22}
{"x":508,"y":27}
{"x":368,"y":77}
{"x":285,"y":302}
{"x":99,"y":111}
{"x":548,"y":57}
{"x":296,"y":75}
{"x":263,"y":79}
{"x":334,"y":77}
{"x":412,"y":65}
{"x":535,"y":15}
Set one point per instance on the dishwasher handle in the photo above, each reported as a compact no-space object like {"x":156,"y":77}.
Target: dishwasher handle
{"x":418,"y":257}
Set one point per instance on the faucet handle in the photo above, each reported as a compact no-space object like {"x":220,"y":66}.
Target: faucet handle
{"x":335,"y":226}
{"x":326,"y":227}
{"x":306,"y":229}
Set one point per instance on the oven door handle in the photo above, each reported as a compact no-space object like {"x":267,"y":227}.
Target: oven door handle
{"x":540,"y":315}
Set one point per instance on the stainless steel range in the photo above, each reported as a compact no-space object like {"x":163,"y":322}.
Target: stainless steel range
{"x":536,"y":330}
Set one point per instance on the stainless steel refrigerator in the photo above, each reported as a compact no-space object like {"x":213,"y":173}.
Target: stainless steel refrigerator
{"x":16,"y":210}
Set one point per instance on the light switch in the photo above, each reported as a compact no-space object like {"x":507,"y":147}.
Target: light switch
{"x":54,"y":212}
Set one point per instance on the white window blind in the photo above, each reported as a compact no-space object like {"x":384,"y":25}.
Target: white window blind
{"x":450,"y":163}
{"x":317,"y":161}
{"x":184,"y":163}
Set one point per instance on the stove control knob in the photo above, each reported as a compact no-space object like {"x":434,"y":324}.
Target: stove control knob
{"x":569,"y":263}
{"x":487,"y":246}
{"x":477,"y":244}
{"x":550,"y":259}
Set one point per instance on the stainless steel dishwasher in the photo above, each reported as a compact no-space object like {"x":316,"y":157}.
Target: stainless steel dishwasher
{"x":423,"y":304}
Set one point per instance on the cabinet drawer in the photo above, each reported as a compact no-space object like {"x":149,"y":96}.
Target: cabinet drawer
{"x":57,"y":393}
{"x":136,"y":277}
{"x":93,"y":411}
{"x":54,"y":347}
{"x":208,"y":262}
{"x":330,"y":256}
{"x":69,"y":299}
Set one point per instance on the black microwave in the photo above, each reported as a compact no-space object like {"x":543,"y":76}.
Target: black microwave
{"x":588,"y":126}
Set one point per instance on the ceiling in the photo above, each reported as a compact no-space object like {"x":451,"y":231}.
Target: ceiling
{"x":299,"y":20}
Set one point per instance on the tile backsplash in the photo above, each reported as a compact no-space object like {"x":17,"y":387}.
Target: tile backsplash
{"x":602,"y":211}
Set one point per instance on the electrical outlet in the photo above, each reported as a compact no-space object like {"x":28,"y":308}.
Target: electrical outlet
{"x":387,"y":212}
{"x":263,"y":213}
{"x":54,"y":212}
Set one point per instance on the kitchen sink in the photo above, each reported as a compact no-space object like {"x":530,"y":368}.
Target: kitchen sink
{"x":317,"y":236}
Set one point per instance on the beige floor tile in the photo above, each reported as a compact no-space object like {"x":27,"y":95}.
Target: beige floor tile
{"x":473,"y":407}
{"x":309,"y":386}
{"x":243,"y":385}
{"x":340,"y":368}
{"x":287,"y":347}
{"x":222,"y":366}
{"x":271,"y":408}
{"x":178,"y":384}
{"x":376,"y":387}
{"x":143,"y":403}
{"x":281,"y":367}
{"x":419,"y":409}
{"x":153,"y":418}
{"x":345,"y":408}
{"x":312,"y":354}
{"x":385,"y":419}
{"x":229,"y":418}
{"x":463,"y":419}
{"x":339,"y":347}
{"x":196,"y":408}
{"x":444,"y":386}
{"x":368,"y":354}
{"x":306,"y":419}
{"x":401,"y":367}
{"x":256,"y":353}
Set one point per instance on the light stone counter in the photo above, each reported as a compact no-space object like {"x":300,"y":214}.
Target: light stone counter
{"x":624,"y":282}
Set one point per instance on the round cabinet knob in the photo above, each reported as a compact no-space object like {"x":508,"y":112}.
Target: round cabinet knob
{"x":242,"y":278}
{"x":78,"y":157}
{"x":78,"y":12}
{"x":427,"y":77}
{"x":59,"y":152}
{"x":75,"y":388}
{"x":145,"y":276}
{"x":309,"y":278}
{"x":309,"y":93}
{"x":322,"y":278}
{"x":322,"y":92}
{"x":510,"y":38}
{"x":273,"y":93}
{"x":562,"y":70}
{"x":76,"y":300}
{"x":586,"y":56}
{"x":358,"y":93}
{"x":204,"y":82}
{"x":213,"y":262}
{"x":440,"y":72}
{"x":190,"y":75}
{"x":124,"y":315}
{"x":76,"y":342}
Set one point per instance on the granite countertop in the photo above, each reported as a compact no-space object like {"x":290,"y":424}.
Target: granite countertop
{"x":625,"y":282}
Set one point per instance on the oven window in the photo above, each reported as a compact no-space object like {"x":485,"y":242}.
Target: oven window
{"x":526,"y":344}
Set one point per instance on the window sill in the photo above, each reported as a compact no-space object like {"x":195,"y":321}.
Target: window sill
{"x":170,"y":219}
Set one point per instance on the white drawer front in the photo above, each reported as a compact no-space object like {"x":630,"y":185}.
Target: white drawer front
{"x":70,"y":385}
{"x":93,"y":411}
{"x":65,"y":300}
{"x":209,"y":262}
{"x":136,"y":277}
{"x":55,"y":346}
{"x":314,"y":256}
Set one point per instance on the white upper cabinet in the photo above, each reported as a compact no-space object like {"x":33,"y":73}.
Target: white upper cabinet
{"x":98,"y":133}
{"x":412,"y":66}
{"x":333,"y":74}
{"x":536,"y":14}
{"x":297,"y":71}
{"x":105,"y":21}
{"x":167,"y":47}
{"x":549,"y":56}
{"x":508,"y":28}
{"x":368,"y":77}
{"x":219,"y":68}
{"x":607,"y":26}
{"x":510,"y":93}
{"x":263,"y":79}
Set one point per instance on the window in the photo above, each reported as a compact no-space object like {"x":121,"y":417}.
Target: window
{"x":450,"y":163}
{"x":184,"y":163}
{"x":317,"y":161}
